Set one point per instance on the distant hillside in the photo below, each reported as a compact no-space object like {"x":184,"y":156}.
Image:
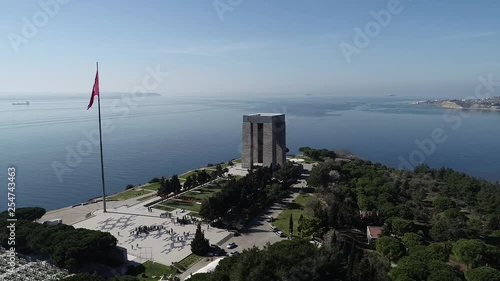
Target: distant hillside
{"x":478,"y":104}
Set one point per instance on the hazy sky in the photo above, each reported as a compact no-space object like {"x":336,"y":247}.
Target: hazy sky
{"x":249,"y":46}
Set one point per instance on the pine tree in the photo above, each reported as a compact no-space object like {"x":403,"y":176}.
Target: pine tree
{"x":290,"y":224}
{"x":188,"y":183}
{"x":200,"y":246}
{"x":301,"y":220}
{"x":218,"y":169}
{"x":175,"y":184}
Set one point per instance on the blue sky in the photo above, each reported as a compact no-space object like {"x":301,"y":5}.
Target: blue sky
{"x":279,"y":47}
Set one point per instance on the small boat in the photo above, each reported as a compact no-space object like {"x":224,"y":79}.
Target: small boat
{"x":391,"y":95}
{"x":21,"y":103}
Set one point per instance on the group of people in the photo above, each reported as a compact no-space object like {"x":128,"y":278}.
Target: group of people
{"x":145,"y":229}
{"x":166,"y":215}
{"x":186,"y":220}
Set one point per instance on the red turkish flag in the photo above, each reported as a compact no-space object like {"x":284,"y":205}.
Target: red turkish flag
{"x":95,"y":90}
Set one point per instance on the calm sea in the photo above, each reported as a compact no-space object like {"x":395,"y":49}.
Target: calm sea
{"x":50,"y":141}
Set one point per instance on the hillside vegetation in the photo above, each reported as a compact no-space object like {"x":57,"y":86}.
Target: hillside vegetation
{"x":439,"y":225}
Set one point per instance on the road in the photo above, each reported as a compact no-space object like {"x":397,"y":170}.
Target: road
{"x":258,"y":232}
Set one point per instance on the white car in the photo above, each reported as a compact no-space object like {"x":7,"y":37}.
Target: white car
{"x":280,"y":234}
{"x":231,"y":245}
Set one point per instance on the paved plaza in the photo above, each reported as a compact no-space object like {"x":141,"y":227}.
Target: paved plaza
{"x":167,"y":241}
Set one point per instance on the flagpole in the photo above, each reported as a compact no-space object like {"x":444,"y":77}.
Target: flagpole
{"x":100,"y":145}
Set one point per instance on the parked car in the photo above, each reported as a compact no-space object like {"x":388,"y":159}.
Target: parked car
{"x":234,"y":253}
{"x":220,"y":252}
{"x":280,"y":234}
{"x":231,"y":245}
{"x":274,"y":229}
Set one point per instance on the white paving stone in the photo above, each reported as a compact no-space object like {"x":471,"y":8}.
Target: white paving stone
{"x":158,"y":245}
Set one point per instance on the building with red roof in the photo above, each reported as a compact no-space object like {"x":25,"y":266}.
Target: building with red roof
{"x":373,"y":232}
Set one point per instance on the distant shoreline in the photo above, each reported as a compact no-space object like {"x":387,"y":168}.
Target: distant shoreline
{"x":490,"y":104}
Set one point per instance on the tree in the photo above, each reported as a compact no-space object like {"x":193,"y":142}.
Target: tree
{"x":202,"y":176}
{"x":443,"y":203}
{"x":439,"y":251}
{"x":66,"y":246}
{"x":30,"y":213}
{"x":471,"y":252}
{"x":175,"y":184}
{"x":287,"y":175}
{"x":474,"y":227}
{"x":422,"y":169}
{"x":484,"y":273}
{"x":165,"y":187}
{"x":200,"y":246}
{"x":300,"y":221}
{"x":290,"y":225}
{"x":410,"y":268}
{"x":320,"y":175}
{"x":493,"y":222}
{"x":441,"y":229}
{"x":411,"y":239}
{"x":188,"y":183}
{"x":129,"y":186}
{"x":389,"y":247}
{"x":311,"y":227}
{"x":371,"y":268}
{"x":218,"y":169}
{"x":194,"y":177}
{"x":153,"y":180}
{"x":440,"y":271}
{"x":422,"y":266}
{"x":400,"y":226}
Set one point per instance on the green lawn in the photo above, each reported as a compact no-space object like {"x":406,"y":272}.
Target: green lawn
{"x":152,"y":186}
{"x":163,"y":207}
{"x":187,"y":174}
{"x":295,"y":209}
{"x":147,"y":197}
{"x":181,"y":204}
{"x":188,"y":261}
{"x":147,"y":270}
{"x":202,"y":193}
{"x":128,"y":194}
{"x":172,"y":204}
